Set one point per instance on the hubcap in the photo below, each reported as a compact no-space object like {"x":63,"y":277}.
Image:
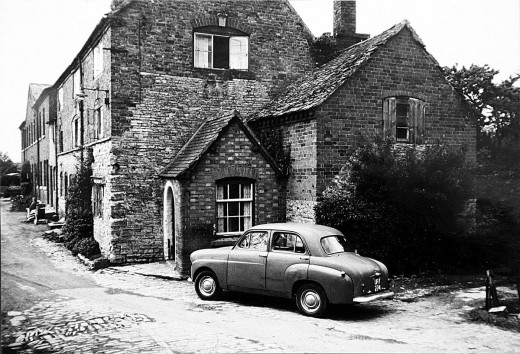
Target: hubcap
{"x":207,"y":286}
{"x":310,"y":301}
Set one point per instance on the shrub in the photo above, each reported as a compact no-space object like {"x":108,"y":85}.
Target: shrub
{"x":79,"y":226}
{"x":400,"y":206}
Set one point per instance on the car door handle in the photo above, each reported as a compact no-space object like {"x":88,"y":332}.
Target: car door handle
{"x":262,"y":255}
{"x":304,"y":258}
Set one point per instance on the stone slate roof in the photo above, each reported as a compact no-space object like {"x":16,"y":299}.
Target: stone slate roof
{"x":313,"y":89}
{"x":201,"y":141}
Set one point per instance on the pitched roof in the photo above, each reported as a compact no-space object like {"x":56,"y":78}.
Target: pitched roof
{"x":208,"y":132}
{"x":314,"y":88}
{"x":35,"y":90}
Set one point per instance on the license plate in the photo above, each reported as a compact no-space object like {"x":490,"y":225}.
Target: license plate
{"x":377,"y":284}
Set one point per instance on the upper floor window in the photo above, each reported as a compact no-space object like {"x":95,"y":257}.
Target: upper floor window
{"x":221,"y":49}
{"x":98,"y":60}
{"x":76,"y":83}
{"x":60,"y":98}
{"x":98,"y":122}
{"x":403,"y":119}
{"x":76,"y":132}
{"x":234,"y":206}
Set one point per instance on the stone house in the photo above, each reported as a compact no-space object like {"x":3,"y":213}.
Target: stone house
{"x":175,"y":99}
{"x":37,"y":142}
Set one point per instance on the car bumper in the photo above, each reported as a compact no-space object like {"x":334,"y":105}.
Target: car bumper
{"x":373,"y":297}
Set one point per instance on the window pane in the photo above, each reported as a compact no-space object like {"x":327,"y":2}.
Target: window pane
{"x":233,"y":209}
{"x":233,"y":224}
{"x":247,"y":222}
{"x":246,"y":191}
{"x":221,"y":225}
{"x":238,"y":52}
{"x":220,"y":191}
{"x":234,"y":191}
{"x":203,"y":51}
{"x":221,"y":52}
{"x":259,"y":240}
{"x":245,"y":242}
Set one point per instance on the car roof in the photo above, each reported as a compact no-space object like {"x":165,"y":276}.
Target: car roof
{"x":312,"y":233}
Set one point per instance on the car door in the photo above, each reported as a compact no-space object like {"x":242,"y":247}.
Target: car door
{"x":287,"y":262}
{"x":246,"y":261}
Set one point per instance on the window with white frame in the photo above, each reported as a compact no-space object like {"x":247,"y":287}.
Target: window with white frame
{"x":221,"y":51}
{"x":76,"y":83}
{"x":98,"y":121}
{"x":404,"y":119}
{"x":234,"y":206}
{"x":60,"y":98}
{"x":98,"y":60}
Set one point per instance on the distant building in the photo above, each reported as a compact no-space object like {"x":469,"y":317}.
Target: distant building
{"x":180,"y":101}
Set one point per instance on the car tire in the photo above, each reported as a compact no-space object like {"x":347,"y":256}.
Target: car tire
{"x":207,"y":286}
{"x":311,"y":300}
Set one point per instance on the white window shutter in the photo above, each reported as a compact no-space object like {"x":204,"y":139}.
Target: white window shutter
{"x":238,"y":53}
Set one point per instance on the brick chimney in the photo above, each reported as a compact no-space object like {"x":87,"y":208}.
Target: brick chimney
{"x":345,"y":23}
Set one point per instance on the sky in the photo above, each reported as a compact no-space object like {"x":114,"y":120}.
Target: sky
{"x":40,"y":38}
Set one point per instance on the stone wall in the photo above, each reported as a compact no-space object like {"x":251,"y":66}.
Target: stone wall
{"x":159,"y":98}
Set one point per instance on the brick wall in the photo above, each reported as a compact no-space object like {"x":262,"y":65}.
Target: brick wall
{"x":159,"y":99}
{"x":231,"y":156}
{"x":400,"y":67}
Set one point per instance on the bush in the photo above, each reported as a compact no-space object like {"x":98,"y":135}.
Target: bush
{"x":79,"y":226}
{"x":400,"y":206}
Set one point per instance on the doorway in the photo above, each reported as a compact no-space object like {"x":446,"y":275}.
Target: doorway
{"x":169,"y":223}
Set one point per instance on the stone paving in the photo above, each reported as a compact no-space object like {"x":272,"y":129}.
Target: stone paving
{"x":145,"y":309}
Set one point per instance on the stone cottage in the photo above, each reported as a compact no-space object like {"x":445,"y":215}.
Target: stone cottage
{"x":175,"y":99}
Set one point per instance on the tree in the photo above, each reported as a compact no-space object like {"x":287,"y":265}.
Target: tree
{"x":496,"y":106}
{"x":6,"y":165}
{"x":324,"y":49}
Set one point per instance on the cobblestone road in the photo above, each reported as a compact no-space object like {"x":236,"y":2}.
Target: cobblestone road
{"x":130,"y":313}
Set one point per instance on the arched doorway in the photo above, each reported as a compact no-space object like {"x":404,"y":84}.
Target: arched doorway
{"x":169,"y":223}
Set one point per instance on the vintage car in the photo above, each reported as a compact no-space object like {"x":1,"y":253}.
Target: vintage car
{"x":312,"y":263}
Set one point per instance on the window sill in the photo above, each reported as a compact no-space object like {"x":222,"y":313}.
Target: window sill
{"x":223,"y":74}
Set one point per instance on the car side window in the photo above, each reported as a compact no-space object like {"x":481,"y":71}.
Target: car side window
{"x":287,"y":242}
{"x":256,"y":240}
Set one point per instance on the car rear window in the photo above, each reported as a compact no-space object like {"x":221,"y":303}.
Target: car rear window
{"x":335,"y":244}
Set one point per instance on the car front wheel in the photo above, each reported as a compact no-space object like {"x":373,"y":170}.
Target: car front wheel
{"x":311,"y":300}
{"x":206,"y":285}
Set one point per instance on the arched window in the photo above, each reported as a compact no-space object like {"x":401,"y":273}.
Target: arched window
{"x":235,"y":202}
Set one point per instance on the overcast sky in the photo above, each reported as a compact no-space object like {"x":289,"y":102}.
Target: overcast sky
{"x":39,"y":39}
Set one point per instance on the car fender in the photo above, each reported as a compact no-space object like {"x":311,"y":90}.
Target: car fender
{"x":217,"y":266}
{"x":337,"y":284}
{"x":293,"y":274}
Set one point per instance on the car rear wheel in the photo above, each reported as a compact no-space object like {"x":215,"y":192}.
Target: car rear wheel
{"x":206,"y":285}
{"x":311,"y":300}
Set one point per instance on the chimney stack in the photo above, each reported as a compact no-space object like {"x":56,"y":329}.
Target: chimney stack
{"x":345,"y":23}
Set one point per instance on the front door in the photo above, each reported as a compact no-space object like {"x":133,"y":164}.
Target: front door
{"x":247,"y":261}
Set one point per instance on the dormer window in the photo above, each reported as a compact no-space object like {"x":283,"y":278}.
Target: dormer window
{"x":217,"y":48}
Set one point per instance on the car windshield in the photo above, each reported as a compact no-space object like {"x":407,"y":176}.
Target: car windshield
{"x":335,"y":244}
